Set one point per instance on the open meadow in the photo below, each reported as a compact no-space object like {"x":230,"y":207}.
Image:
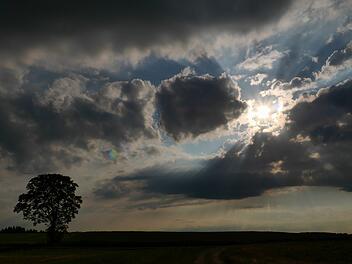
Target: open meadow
{"x":165,"y":247}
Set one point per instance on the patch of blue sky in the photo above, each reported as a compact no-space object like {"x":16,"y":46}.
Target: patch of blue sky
{"x":339,"y":76}
{"x":206,"y":147}
{"x":302,"y":42}
{"x":167,"y":140}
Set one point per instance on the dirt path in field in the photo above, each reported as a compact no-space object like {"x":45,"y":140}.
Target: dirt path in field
{"x":210,"y":256}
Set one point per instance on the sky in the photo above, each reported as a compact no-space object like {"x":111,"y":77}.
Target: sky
{"x":181,"y":115}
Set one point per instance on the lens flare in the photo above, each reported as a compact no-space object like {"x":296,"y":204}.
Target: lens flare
{"x":109,"y":154}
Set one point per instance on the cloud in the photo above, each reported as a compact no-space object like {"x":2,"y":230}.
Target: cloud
{"x":55,"y":120}
{"x":238,"y":174}
{"x":268,"y":162}
{"x":39,"y":128}
{"x":192,"y":105}
{"x":88,"y":28}
{"x":257,"y":79}
{"x":339,"y":61}
{"x":329,"y":112}
{"x":339,"y":56}
{"x":264,"y":59}
{"x":10,"y":80}
{"x":156,"y":68}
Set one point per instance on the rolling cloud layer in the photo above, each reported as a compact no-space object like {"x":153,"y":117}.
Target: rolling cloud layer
{"x":89,"y":27}
{"x":44,"y":125}
{"x":55,"y":122}
{"x":313,"y":150}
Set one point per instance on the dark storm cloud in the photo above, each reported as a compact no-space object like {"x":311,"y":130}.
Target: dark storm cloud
{"x":9,"y":80}
{"x":193,"y":105}
{"x":88,"y":26}
{"x":329,"y":112}
{"x":313,"y":150}
{"x":38,"y":128}
{"x":233,"y":176}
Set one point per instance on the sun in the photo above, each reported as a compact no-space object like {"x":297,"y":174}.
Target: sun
{"x":263,"y":112}
{"x":264,"y":116}
{"x":259,"y":113}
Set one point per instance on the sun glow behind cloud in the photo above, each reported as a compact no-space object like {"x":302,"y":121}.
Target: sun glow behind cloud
{"x":263,"y":112}
{"x":264,"y":116}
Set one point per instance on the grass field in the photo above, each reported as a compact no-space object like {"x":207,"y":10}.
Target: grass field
{"x":159,"y":247}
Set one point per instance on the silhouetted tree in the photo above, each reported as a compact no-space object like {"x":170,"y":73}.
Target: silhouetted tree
{"x":13,"y":229}
{"x":50,"y":200}
{"x":17,"y":229}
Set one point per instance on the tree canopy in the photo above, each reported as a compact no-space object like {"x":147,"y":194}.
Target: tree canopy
{"x":50,"y":200}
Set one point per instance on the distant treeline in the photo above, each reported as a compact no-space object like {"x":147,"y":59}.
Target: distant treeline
{"x":17,"y":229}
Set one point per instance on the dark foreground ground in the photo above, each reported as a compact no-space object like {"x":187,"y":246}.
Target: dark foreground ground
{"x":162,"y":247}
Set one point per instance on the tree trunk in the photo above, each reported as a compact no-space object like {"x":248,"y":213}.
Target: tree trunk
{"x":53,"y":235}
